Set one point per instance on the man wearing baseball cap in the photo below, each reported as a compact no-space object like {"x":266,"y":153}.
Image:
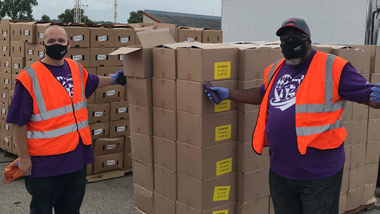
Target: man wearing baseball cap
{"x":300,"y":118}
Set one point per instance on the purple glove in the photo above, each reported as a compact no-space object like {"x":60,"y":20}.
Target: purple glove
{"x":223,"y":93}
{"x":375,"y":94}
{"x":119,"y":78}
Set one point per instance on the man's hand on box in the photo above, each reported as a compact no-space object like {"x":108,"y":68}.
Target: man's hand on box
{"x":375,"y":93}
{"x":119,"y":78}
{"x":223,"y":93}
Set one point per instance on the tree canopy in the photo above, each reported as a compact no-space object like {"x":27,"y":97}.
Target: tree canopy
{"x":68,"y":16}
{"x":18,"y":9}
{"x":136,"y":17}
{"x":45,"y":18}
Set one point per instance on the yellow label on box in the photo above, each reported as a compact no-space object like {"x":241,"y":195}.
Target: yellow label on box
{"x":225,"y":105}
{"x":223,"y":132}
{"x":223,"y":166}
{"x":222,"y":193}
{"x":220,"y":212}
{"x":222,"y":70}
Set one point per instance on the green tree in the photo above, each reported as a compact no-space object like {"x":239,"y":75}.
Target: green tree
{"x":45,"y":18}
{"x":68,"y":16}
{"x":18,"y":9}
{"x":136,"y":17}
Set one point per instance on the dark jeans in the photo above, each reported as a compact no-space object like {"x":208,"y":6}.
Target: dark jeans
{"x":320,"y":196}
{"x":64,"y":193}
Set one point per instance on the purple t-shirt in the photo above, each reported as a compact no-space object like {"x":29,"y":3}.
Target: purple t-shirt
{"x":285,"y":158}
{"x":20,"y":112}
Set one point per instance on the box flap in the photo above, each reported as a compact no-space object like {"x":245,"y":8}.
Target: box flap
{"x":180,"y":45}
{"x":152,"y":38}
{"x":124,"y":50}
{"x":212,"y":46}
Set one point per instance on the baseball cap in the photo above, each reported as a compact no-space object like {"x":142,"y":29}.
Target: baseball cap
{"x":295,"y":23}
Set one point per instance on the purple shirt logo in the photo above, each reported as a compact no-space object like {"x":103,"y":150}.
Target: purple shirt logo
{"x":285,"y":91}
{"x":67,"y":83}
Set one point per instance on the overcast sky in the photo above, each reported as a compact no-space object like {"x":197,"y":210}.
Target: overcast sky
{"x":102,"y":10}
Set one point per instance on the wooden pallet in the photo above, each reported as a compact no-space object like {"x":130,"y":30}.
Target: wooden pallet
{"x":361,"y":208}
{"x":107,"y":175}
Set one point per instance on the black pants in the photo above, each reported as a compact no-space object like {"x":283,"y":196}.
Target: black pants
{"x":305,"y":197}
{"x":64,"y":193}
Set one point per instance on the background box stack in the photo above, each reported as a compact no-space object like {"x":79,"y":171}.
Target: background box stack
{"x":203,"y":35}
{"x":207,"y":133}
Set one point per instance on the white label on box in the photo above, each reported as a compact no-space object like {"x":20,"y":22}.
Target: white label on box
{"x":5,"y":34}
{"x":101,"y":57}
{"x":4,"y":48}
{"x":26,"y":32}
{"x":6,"y":139}
{"x":111,"y":162}
{"x":111,"y":93}
{"x":4,"y":95}
{"x":6,"y":81}
{"x":98,"y":131}
{"x":7,"y":64}
{"x":111,"y":146}
{"x":98,"y":114}
{"x":3,"y":111}
{"x":7,"y":127}
{"x":41,"y":54}
{"x":122,"y":110}
{"x":15,"y":66}
{"x":78,"y":38}
{"x":124,"y":40}
{"x":102,"y":38}
{"x":41,"y":35}
{"x":120,"y":57}
{"x":120,"y":129}
{"x":77,"y":57}
{"x":30,"y":52}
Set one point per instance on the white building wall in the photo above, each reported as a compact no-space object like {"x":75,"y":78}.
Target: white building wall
{"x":330,"y":21}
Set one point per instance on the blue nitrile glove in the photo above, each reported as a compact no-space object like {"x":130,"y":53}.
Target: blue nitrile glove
{"x":375,"y":94}
{"x":223,"y":93}
{"x":119,"y":78}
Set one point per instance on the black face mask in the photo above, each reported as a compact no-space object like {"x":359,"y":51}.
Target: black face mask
{"x":56,"y":51}
{"x":294,"y":49}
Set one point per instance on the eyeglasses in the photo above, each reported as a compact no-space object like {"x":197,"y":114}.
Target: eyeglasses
{"x":294,"y":37}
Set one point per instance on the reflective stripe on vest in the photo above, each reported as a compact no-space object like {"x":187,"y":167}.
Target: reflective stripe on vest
{"x":56,"y":132}
{"x":272,"y":71}
{"x":328,"y":106}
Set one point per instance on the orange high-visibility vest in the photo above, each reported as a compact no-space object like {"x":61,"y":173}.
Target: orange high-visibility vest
{"x":318,"y":107}
{"x":58,"y":120}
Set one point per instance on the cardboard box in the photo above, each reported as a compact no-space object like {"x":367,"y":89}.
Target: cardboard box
{"x":8,"y":128}
{"x":119,"y":128}
{"x":91,"y":70}
{"x":6,"y":81}
{"x":16,"y":31}
{"x":5,"y":28}
{"x":144,"y":199}
{"x":141,"y":119}
{"x":347,"y":150}
{"x":247,"y":123}
{"x":100,"y":130}
{"x":101,"y":57}
{"x":112,"y":93}
{"x":173,"y":29}
{"x":373,"y":132}
{"x":206,"y":163}
{"x":164,"y":93}
{"x":229,"y":208}
{"x":199,"y":102}
{"x":163,"y":205}
{"x":101,"y":37}
{"x":206,"y":194}
{"x":40,"y":31}
{"x":5,"y":48}
{"x":17,"y":49}
{"x":165,"y":153}
{"x":359,"y":58}
{"x":142,"y":148}
{"x":138,"y":211}
{"x":89,"y":169}
{"x":347,"y":113}
{"x":6,"y":143}
{"x":119,"y":110}
{"x":4,"y":96}
{"x":359,"y":112}
{"x":249,"y":160}
{"x":143,"y":174}
{"x":345,"y":181}
{"x":81,"y":55}
{"x":107,"y":71}
{"x":190,"y":34}
{"x":209,"y":130}
{"x":195,"y":63}
{"x":372,"y":152}
{"x":106,"y":146}
{"x":33,"y":52}
{"x":91,"y":99}
{"x":257,"y":206}
{"x":109,"y":162}
{"x":79,"y":36}
{"x":18,"y":63}
{"x":354,"y":198}
{"x":140,"y":91}
{"x":248,"y":190}
{"x":248,"y":85}
{"x":358,"y":157}
{"x":137,"y":60}
{"x":165,"y":182}
{"x":165,"y":123}
{"x":371,"y":173}
{"x":271,"y":206}
{"x":359,"y":132}
{"x":212,"y":36}
{"x":369,"y":194}
{"x":3,"y":111}
{"x":356,"y":177}
{"x":127,"y":161}
{"x":98,"y":113}
{"x":28,"y":31}
{"x":6,"y":64}
{"x":124,"y":37}
{"x":342,"y":203}
{"x":127,"y":144}
{"x":348,"y":126}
